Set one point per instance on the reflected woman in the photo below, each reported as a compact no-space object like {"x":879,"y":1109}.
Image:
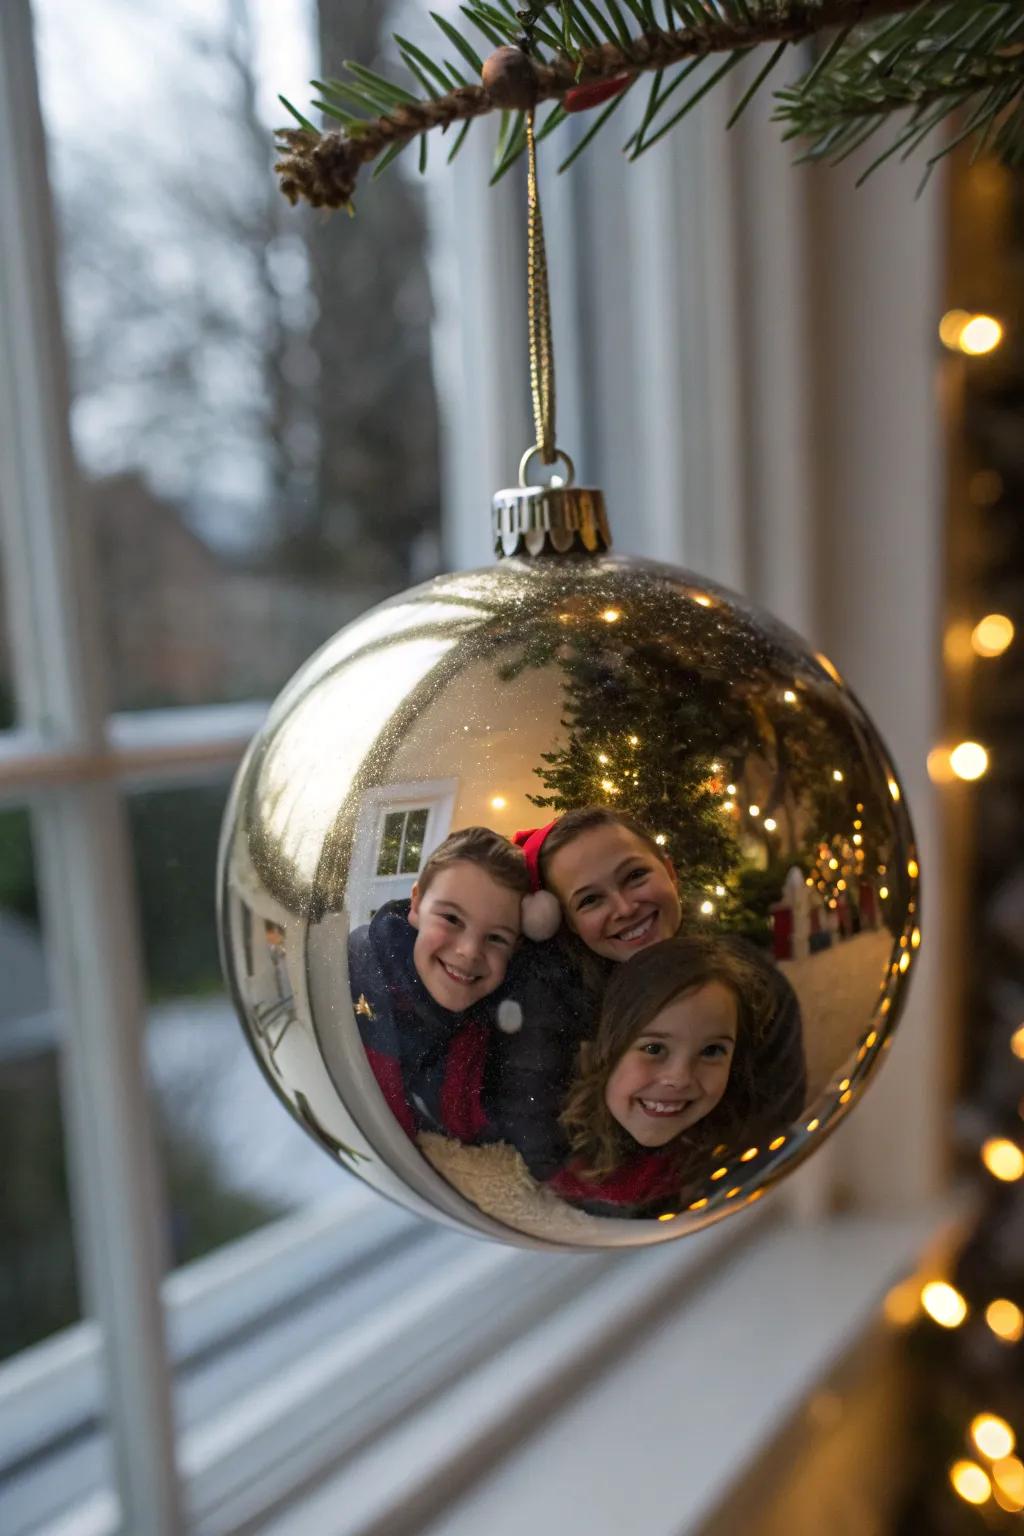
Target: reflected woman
{"x":618,"y":894}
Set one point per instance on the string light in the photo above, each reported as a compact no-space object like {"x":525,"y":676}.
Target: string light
{"x":1005,"y":1319}
{"x":634,"y":741}
{"x":770,"y":823}
{"x":661,"y":839}
{"x":913,"y":869}
{"x":707,"y":907}
{"x":970,"y":1482}
{"x":894,"y":789}
{"x":773,"y":1146}
{"x":1008,"y":1477}
{"x":837,"y":774}
{"x":1017,"y":1042}
{"x":611,"y":615}
{"x":883,"y":891}
{"x":992,"y":634}
{"x":1003,"y":1159}
{"x":943,"y":1303}
{"x":969,"y":760}
{"x":981,"y":334}
{"x":755,"y":810}
{"x":730,"y":789}
{"x":789,"y":696}
{"x":993,"y":1436}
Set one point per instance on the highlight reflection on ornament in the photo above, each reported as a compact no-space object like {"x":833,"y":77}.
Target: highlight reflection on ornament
{"x":729,"y":962}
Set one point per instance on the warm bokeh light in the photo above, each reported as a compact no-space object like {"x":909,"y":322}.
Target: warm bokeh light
{"x":951,"y":325}
{"x":970,"y":1482}
{"x":902,"y":1303}
{"x":915,"y":939}
{"x":755,"y":810}
{"x":700,"y":597}
{"x":668,"y":1216}
{"x":498,"y":802}
{"x":943,"y":1303}
{"x":634,"y":741}
{"x":698,"y":1205}
{"x":707,"y":907}
{"x":773,"y":1146}
{"x":611,"y":615}
{"x":770,"y":823}
{"x":913,"y":869}
{"x":940,"y":770}
{"x":993,"y":1436}
{"x":730,"y":789}
{"x":1003,"y":1159}
{"x":1008,"y":1476}
{"x":969,"y":760}
{"x":904,"y":962}
{"x":956,"y":644}
{"x":837,"y":774}
{"x":981,"y":334}
{"x":883,"y":891}
{"x":789,"y":696}
{"x":812,"y":1125}
{"x":661,"y":839}
{"x":894,"y":789}
{"x":748,"y":1154}
{"x":720,"y":1173}
{"x":992,"y":634}
{"x":1017,"y":1042}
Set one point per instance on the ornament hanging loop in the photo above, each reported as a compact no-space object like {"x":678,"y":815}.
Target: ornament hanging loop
{"x":542,"y":355}
{"x":559,"y":456}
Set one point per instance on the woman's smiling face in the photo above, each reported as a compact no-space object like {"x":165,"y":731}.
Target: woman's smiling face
{"x":617,"y":894}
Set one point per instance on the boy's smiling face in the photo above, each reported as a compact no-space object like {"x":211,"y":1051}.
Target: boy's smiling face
{"x":467,"y":925}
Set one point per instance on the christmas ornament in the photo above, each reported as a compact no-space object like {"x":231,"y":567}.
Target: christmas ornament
{"x":571,"y":901}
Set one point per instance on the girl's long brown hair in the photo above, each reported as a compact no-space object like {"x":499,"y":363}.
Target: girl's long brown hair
{"x":637,"y":991}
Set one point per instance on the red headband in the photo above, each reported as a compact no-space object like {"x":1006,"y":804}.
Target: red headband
{"x":531,"y":841}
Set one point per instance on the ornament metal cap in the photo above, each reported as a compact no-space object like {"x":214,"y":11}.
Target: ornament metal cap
{"x":550,"y":519}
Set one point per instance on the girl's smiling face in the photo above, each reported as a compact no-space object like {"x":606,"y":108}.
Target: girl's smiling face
{"x":677,"y":1069}
{"x":617,"y":894}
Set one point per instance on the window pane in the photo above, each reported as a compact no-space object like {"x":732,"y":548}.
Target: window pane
{"x":412,"y":852}
{"x":391,"y":843}
{"x":38,"y":1286}
{"x":253,"y":406}
{"x":233,"y":1158}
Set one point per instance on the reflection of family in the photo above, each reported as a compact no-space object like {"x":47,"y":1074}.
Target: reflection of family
{"x":484,"y":1037}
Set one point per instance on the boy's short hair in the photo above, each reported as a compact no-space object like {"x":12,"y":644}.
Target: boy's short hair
{"x":502,"y":860}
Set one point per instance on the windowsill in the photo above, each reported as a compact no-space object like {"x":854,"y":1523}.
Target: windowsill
{"x":679,"y":1371}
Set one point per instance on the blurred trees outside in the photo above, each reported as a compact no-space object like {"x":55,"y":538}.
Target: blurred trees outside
{"x":255,"y":427}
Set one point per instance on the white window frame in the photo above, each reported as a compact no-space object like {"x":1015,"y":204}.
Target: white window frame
{"x":366,"y":889}
{"x":742,"y":394}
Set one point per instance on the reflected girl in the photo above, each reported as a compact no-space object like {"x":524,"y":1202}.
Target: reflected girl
{"x":691,"y":1051}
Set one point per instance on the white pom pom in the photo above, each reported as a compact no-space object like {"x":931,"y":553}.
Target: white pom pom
{"x":542,"y":916}
{"x":510,"y":1016}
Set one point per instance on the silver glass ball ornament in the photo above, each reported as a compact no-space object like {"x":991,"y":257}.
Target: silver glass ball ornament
{"x":738,"y":909}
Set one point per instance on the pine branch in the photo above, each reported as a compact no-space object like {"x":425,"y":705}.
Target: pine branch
{"x":927,"y":58}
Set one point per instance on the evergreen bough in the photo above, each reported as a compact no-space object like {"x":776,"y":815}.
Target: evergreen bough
{"x":900,"y":65}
